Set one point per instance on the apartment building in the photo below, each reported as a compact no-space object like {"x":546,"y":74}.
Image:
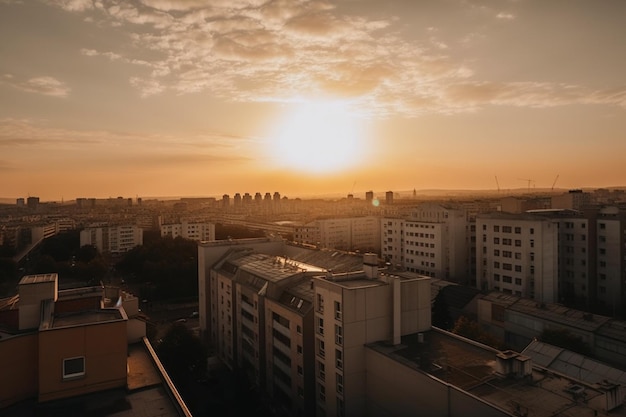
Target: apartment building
{"x":114,"y":239}
{"x":591,"y":268}
{"x":433,"y":241}
{"x":259,"y":311}
{"x":360,"y":342}
{"x":352,"y":310}
{"x":59,"y":344}
{"x":347,"y":234}
{"x":187,"y":230}
{"x":518,"y":254}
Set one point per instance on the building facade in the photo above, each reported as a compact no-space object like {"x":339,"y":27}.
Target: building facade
{"x":113,"y":239}
{"x":518,"y":254}
{"x":187,"y":230}
{"x":433,"y":241}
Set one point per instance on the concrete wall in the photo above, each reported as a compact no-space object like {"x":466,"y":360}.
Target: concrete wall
{"x":104,"y":348}
{"x":396,"y":389}
{"x":18,"y":362}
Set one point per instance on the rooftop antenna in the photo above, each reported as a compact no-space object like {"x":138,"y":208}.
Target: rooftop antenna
{"x":497,"y":184}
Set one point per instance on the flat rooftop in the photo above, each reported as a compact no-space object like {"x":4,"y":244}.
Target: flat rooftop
{"x":86,"y":317}
{"x":36,"y":279}
{"x":472,"y":368}
{"x":145,"y":396}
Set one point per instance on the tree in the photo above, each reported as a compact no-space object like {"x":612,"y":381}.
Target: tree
{"x":472,"y":330}
{"x":182,"y":354}
{"x":441,"y":313}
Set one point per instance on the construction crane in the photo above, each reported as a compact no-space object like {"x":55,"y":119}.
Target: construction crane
{"x":554,"y":183}
{"x":529,"y":181}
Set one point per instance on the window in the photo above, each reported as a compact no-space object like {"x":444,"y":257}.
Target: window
{"x":320,"y":325}
{"x":322,"y":392}
{"x":321,"y":348}
{"x":339,"y":380}
{"x":299,"y":370}
{"x":532,"y":231}
{"x":496,"y":228}
{"x":518,"y":268}
{"x":518,"y":281}
{"x":299,"y":349}
{"x":338,"y":335}
{"x":518,"y":242}
{"x":339,"y":359}
{"x":602,"y":226}
{"x":506,"y":229}
{"x":518,"y":230}
{"x":496,"y":252}
{"x":507,"y":279}
{"x":337,"y":310}
{"x":496,"y":240}
{"x":321,"y":371}
{"x":299,"y":329}
{"x":73,"y":367}
{"x":320,"y":303}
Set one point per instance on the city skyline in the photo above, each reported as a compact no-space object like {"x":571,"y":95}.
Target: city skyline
{"x":167,"y":97}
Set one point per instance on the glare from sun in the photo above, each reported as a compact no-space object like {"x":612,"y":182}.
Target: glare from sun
{"x":318,"y":137}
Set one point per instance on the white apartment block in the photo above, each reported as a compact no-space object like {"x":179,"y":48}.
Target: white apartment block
{"x":260,"y":321}
{"x":352,"y":310}
{"x":591,"y":264}
{"x":193,"y":231}
{"x":518,"y":254}
{"x":432,"y":241}
{"x":348,"y":234}
{"x":114,"y":239}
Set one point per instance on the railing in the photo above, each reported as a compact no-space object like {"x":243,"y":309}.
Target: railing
{"x":178,"y":401}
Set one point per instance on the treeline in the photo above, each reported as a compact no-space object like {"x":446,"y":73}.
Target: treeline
{"x":163,"y":268}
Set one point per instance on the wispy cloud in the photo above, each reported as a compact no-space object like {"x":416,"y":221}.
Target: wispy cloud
{"x":256,"y":50}
{"x":45,"y":85}
{"x":505,"y":16}
{"x":72,"y":5}
{"x":19,"y":135}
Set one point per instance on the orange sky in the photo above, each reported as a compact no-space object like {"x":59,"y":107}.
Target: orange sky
{"x":178,"y":98}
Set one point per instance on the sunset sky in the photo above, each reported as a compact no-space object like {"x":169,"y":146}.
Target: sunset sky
{"x":103,"y":98}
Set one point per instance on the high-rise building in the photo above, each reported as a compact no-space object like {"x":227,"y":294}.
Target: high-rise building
{"x":192,"y":231}
{"x":113,"y":239}
{"x":433,"y":240}
{"x":518,"y":254}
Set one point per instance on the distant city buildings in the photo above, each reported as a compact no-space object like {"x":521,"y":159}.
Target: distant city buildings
{"x":360,"y":343}
{"x":349,"y":234}
{"x":113,"y":239}
{"x":192,"y":231}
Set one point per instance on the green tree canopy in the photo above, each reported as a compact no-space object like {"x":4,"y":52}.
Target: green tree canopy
{"x":472,"y":330}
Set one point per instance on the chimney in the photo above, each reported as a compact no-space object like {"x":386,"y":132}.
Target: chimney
{"x":370,"y":265}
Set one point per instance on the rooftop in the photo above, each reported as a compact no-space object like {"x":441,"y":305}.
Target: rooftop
{"x":86,"y":317}
{"x":36,"y":279}
{"x":145,"y":395}
{"x":472,"y":367}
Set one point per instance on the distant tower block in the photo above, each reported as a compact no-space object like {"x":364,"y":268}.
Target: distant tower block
{"x":389,"y":197}
{"x":369,"y":196}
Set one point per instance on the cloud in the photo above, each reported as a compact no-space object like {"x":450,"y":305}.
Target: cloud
{"x":18,"y":136}
{"x":273,"y":50}
{"x":505,"y":16}
{"x":72,"y":5}
{"x":45,"y":85}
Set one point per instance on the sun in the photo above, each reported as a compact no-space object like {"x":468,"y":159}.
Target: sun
{"x":318,"y":137}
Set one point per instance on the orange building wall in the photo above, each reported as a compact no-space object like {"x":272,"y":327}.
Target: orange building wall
{"x":18,"y":368}
{"x":105,"y":350}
